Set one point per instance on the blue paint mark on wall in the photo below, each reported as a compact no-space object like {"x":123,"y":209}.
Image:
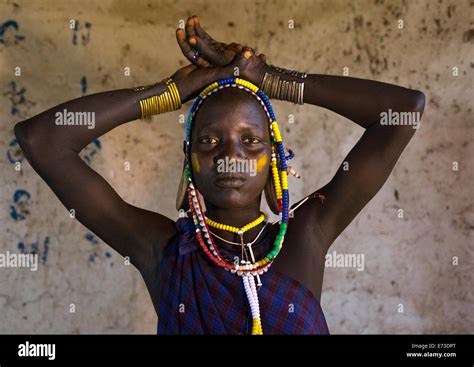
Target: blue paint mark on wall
{"x":14,"y":152}
{"x":81,"y":33}
{"x":97,"y":252}
{"x":94,"y":241}
{"x":34,"y":248}
{"x":9,"y":33}
{"x":92,"y":238}
{"x":19,"y":210}
{"x":83,"y":85}
{"x":44,"y":256}
{"x":17,"y":98}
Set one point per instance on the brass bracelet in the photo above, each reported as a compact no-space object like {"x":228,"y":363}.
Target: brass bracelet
{"x":277,"y":88}
{"x":167,"y":101}
{"x":298,"y":74}
{"x":174,"y":94}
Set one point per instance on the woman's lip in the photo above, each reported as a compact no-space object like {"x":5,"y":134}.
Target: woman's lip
{"x":229,"y":183}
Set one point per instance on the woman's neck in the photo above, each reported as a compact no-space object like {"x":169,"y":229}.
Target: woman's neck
{"x":237,"y":217}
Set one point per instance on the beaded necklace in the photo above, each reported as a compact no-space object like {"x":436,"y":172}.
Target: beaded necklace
{"x":240,"y":232}
{"x":246,"y":269}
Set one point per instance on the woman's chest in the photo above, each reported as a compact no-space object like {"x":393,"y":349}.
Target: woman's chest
{"x":302,"y":258}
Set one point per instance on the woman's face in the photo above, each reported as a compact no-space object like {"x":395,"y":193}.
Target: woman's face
{"x":230,"y":149}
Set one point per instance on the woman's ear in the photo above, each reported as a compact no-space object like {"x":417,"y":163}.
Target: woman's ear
{"x":270,"y":195}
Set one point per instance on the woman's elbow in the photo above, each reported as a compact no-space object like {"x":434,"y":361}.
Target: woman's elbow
{"x":20,"y":130}
{"x":418,"y":104}
{"x":24,"y":136}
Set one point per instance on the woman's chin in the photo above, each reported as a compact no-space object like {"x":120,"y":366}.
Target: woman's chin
{"x":228,"y":200}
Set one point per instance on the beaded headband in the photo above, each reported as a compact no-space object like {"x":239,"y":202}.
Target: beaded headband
{"x":279,"y":174}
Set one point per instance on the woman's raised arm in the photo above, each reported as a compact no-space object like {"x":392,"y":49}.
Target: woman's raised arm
{"x":379,"y":108}
{"x":52,"y":146}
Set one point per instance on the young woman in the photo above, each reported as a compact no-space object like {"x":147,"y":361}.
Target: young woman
{"x":209,"y":272}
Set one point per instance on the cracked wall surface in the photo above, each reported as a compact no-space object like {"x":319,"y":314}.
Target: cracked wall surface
{"x":408,"y":261}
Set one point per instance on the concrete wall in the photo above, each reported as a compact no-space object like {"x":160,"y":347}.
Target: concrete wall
{"x":408,"y":261}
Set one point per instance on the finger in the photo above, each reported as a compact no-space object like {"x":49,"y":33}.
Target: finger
{"x":200,"y":32}
{"x":190,"y":27}
{"x":188,"y":51}
{"x":219,"y":51}
{"x":251,"y":50}
{"x":248,"y":52}
{"x":242,"y":59}
{"x":206,"y":38}
{"x":263,"y":58}
{"x":208,"y":52}
{"x":237,"y":47}
{"x":232,"y":49}
{"x":229,"y":70}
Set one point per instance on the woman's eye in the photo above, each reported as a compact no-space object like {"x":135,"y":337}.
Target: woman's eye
{"x":252,"y":140}
{"x":209,"y":140}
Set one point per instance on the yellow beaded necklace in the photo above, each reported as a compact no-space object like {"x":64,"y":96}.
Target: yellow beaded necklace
{"x":241,"y":230}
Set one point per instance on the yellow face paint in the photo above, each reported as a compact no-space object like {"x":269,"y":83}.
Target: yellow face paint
{"x":261,"y":162}
{"x":195,"y":163}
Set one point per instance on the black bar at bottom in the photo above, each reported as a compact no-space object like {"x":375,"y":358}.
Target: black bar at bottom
{"x":137,"y":350}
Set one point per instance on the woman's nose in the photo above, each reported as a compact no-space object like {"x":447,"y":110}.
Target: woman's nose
{"x":232,"y":149}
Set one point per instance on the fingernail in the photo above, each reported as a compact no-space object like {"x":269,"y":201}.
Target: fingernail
{"x":192,"y":40}
{"x":247,"y":54}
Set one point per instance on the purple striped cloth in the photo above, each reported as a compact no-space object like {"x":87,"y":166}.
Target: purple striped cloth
{"x":198,"y":297}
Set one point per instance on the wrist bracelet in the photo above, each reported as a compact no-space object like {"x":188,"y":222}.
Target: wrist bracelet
{"x":167,"y":101}
{"x":290,"y":72}
{"x":277,"y":88}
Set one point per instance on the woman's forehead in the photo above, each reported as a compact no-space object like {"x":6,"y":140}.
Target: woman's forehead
{"x":240,"y":122}
{"x":234,"y":108}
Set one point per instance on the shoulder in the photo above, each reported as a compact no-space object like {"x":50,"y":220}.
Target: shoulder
{"x":182,"y":238}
